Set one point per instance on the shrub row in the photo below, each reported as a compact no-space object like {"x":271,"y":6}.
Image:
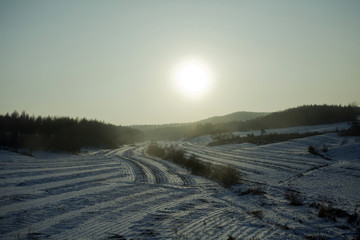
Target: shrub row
{"x":261,"y":139}
{"x":226,"y":175}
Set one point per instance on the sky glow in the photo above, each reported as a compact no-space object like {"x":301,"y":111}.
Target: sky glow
{"x":114,"y":60}
{"x":193,"y":79}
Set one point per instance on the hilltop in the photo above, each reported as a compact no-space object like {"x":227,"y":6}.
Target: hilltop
{"x":305,"y":115}
{"x":233,"y":117}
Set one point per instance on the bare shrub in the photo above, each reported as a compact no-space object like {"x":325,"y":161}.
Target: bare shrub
{"x":257,"y":214}
{"x":225,"y":175}
{"x":116,"y":236}
{"x":312,"y":150}
{"x":352,"y":218}
{"x":254,"y":191}
{"x":357,"y":237}
{"x":316,"y":237}
{"x":197,"y":167}
{"x":155,"y":150}
{"x":327,"y":211}
{"x":175,"y":155}
{"x":325,"y":148}
{"x":295,"y":198}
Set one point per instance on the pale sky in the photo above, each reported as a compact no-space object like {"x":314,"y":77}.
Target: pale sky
{"x":114,"y":60}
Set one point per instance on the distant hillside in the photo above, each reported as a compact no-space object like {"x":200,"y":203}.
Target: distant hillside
{"x":179,"y":130}
{"x":233,"y":117}
{"x":303,"y":116}
{"x":150,"y":127}
{"x":293,"y":117}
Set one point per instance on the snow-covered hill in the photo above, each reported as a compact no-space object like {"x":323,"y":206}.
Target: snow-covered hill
{"x":126,"y":194}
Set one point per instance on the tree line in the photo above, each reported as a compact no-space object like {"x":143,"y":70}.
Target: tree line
{"x":264,"y":138}
{"x":21,"y":131}
{"x":306,"y":115}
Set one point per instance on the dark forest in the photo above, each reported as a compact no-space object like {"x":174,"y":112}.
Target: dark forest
{"x":21,"y":131}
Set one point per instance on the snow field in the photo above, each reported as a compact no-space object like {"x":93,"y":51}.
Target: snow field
{"x":125,"y":192}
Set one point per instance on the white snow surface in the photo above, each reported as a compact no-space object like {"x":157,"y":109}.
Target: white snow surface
{"x":127,"y":194}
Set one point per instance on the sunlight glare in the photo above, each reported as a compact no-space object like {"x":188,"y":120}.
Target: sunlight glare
{"x":192,"y":79}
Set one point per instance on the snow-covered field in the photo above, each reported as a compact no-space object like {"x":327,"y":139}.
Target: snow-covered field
{"x":126,"y":194}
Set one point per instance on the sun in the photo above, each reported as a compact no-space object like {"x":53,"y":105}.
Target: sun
{"x":192,"y":79}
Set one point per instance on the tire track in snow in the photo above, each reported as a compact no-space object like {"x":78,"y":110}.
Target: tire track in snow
{"x":142,"y":173}
{"x":82,"y":213}
{"x":173,"y":170}
{"x":143,"y":198}
{"x":264,"y":152}
{"x":61,"y":161}
{"x":252,"y":159}
{"x":156,"y":173}
{"x":301,"y":174}
{"x":48,"y":178}
{"x":49,"y":171}
{"x":37,"y":191}
{"x":151,"y":170}
{"x":159,"y":170}
{"x":288,"y":167}
{"x":21,"y":206}
{"x":123,"y":219}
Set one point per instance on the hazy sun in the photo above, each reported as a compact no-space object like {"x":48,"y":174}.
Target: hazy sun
{"x":192,"y":78}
